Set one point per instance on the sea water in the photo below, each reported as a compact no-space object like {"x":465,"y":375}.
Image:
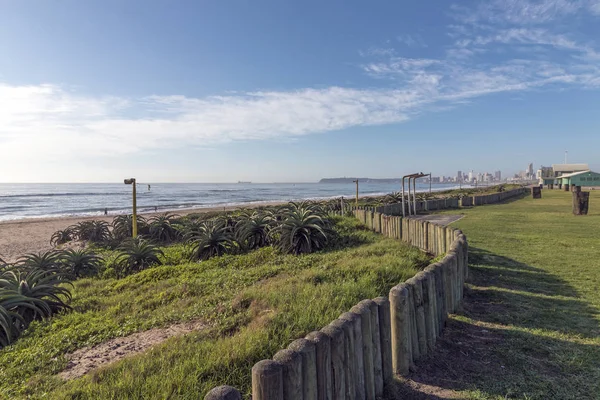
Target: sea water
{"x":18,"y":201}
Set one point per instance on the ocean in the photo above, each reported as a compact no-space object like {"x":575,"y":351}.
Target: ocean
{"x":19,"y":201}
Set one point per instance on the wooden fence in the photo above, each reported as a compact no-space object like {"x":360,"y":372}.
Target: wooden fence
{"x":356,"y":355}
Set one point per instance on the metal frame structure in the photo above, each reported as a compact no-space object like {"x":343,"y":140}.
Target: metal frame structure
{"x":414,"y":177}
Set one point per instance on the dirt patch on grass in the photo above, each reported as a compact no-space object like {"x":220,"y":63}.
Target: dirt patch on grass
{"x":87,"y":359}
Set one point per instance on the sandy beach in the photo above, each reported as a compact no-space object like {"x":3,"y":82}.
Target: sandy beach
{"x":32,"y":235}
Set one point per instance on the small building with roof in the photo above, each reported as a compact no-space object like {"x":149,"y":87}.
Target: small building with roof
{"x":582,"y":178}
{"x":562,"y":169}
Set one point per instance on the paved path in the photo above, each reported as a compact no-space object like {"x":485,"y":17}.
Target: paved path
{"x":438,"y":219}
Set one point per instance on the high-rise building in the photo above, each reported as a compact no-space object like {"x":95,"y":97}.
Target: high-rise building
{"x":459,"y":176}
{"x":529,"y":171}
{"x":498,"y":175}
{"x":471,"y":176}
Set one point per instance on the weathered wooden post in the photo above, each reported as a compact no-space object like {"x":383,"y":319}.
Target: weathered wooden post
{"x":267,"y":380}
{"x":581,"y":202}
{"x":291,"y":362}
{"x":385,"y":331}
{"x":419,"y":318}
{"x":349,"y":365}
{"x":223,"y":393}
{"x":376,"y":338}
{"x":536,"y":192}
{"x":323,"y":359}
{"x":401,"y":341}
{"x":566,"y":187}
{"x":364,"y":310}
{"x":338,"y":373}
{"x":426,"y":279}
{"x":307,"y":350}
{"x":359,"y":383}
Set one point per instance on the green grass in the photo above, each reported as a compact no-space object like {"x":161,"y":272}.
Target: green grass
{"x":530,"y":324}
{"x":253,"y":304}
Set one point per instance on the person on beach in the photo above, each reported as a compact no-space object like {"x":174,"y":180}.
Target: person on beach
{"x":155,"y":209}
{"x":106,"y":211}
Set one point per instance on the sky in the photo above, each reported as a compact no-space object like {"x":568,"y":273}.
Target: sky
{"x":294,"y":91}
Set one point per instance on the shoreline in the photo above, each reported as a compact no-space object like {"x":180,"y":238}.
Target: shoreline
{"x":200,"y":209}
{"x":32,"y":235}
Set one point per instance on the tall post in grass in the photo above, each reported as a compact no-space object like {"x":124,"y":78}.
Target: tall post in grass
{"x":356,"y":181}
{"x":131,"y":181}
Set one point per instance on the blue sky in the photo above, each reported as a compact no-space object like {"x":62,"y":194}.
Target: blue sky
{"x":220,"y":91}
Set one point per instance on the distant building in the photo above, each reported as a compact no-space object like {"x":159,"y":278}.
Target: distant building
{"x":582,"y":178}
{"x":529,"y":171}
{"x":498,"y":176}
{"x":562,"y":169}
{"x":471,"y":176}
{"x":459,"y":176}
{"x":545,"y":175}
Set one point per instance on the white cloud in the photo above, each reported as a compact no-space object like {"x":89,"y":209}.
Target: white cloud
{"x":45,"y":123}
{"x":520,"y":12}
{"x":414,"y":40}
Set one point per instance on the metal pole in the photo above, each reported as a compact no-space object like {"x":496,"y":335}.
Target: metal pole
{"x":403,"y":210}
{"x":415,"y":195}
{"x":409,"y":212}
{"x":134,"y":222}
{"x":430,"y":182}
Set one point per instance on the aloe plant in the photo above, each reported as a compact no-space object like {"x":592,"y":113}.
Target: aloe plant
{"x":162,"y":228}
{"x":123,"y":226}
{"x":92,"y":231}
{"x":213,"y":239}
{"x":137,"y":254}
{"x":63,"y":236}
{"x":253,"y":231}
{"x":47,"y":260}
{"x":301,"y":231}
{"x":80,"y":263}
{"x":47,"y":286}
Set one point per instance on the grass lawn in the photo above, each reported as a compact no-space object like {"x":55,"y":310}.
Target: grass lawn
{"x":254,"y":305}
{"x":530,"y":324}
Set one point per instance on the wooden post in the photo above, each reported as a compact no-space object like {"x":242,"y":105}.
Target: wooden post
{"x":323,"y":359}
{"x":307,"y":350}
{"x":267,"y":380}
{"x":291,"y":362}
{"x":440,"y":292}
{"x":425,"y":278}
{"x":581,"y":202}
{"x":338,"y":384}
{"x":385,"y":331}
{"x":433,"y":307}
{"x":223,"y":393}
{"x":421,"y":332}
{"x":377,"y":359}
{"x":412,"y":322}
{"x":536,"y":192}
{"x":348,"y":365}
{"x":359,"y":383}
{"x":363,"y":309}
{"x":400,"y":332}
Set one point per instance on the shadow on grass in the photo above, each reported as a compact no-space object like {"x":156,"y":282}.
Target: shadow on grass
{"x":493,"y":270}
{"x":485,"y":349}
{"x":500,"y":363}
